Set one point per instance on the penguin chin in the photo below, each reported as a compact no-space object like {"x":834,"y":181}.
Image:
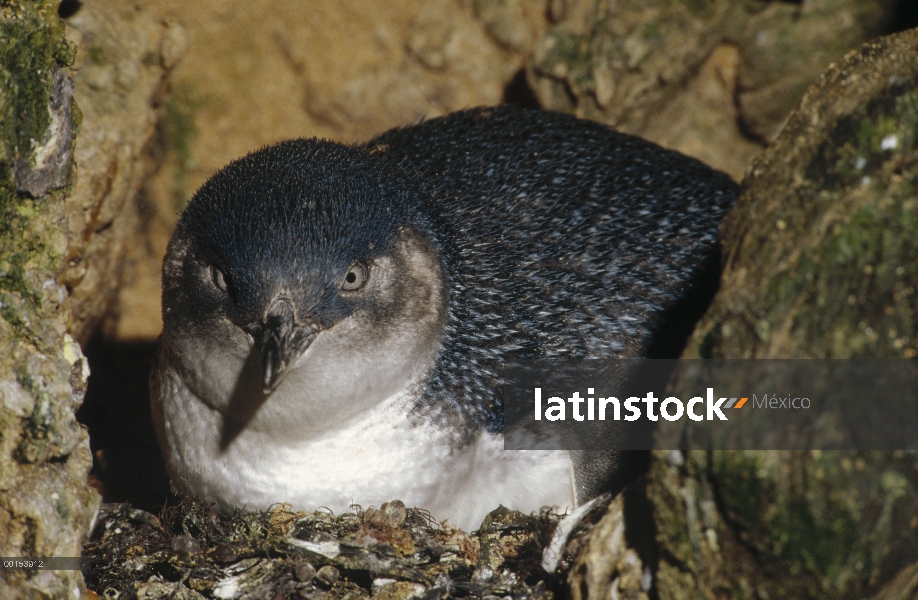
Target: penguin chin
{"x":384,"y":348}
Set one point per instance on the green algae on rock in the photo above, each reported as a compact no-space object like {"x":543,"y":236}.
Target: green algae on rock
{"x":46,"y":504}
{"x":821,"y":260}
{"x":761,"y":524}
{"x":821,"y":253}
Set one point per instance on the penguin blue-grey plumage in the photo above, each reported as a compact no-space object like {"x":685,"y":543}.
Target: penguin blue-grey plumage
{"x":336,"y":317}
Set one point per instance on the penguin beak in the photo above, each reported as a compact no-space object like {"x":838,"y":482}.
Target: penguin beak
{"x":281,"y":340}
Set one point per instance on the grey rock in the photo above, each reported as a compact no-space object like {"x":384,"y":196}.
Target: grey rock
{"x":327,"y":576}
{"x":304,"y":571}
{"x":43,"y":166}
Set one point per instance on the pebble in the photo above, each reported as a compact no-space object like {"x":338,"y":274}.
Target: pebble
{"x":327,"y":576}
{"x":305,"y":572}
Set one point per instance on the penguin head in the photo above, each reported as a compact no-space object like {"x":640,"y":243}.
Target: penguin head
{"x":305,"y":268}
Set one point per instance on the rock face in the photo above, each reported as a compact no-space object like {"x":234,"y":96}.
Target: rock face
{"x":604,"y":566}
{"x":782,"y":524}
{"x":821,"y":262}
{"x":821,"y":259}
{"x":705,"y":78}
{"x":46,"y":505}
{"x":123,"y":58}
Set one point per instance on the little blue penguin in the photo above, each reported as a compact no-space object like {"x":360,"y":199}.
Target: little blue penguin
{"x":336,"y":317}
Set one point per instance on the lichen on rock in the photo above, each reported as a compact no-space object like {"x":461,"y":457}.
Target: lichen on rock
{"x":46,"y":504}
{"x":821,"y":257}
{"x":44,"y":165}
{"x":781,"y":524}
{"x":820,"y":262}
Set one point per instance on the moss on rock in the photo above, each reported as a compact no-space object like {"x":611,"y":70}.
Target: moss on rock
{"x":821,"y":256}
{"x":46,"y":505}
{"x":821,"y":262}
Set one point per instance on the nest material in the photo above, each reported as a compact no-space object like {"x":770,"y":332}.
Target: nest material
{"x":391,"y":553}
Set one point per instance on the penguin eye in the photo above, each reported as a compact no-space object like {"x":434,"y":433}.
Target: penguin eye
{"x":220,"y":279}
{"x":356,"y":277}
